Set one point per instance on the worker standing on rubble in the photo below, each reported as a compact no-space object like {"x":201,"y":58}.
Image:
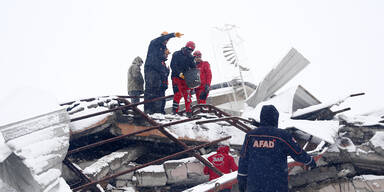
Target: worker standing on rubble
{"x":263,"y":160}
{"x":155,"y":70}
{"x":181,"y":62}
{"x":223,"y":162}
{"x":135,"y":80}
{"x":205,"y":77}
{"x":164,"y":83}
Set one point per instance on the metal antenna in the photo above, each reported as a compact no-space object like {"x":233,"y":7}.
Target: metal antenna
{"x":230,"y":53}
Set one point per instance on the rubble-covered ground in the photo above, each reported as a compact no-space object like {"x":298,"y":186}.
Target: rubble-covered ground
{"x":350,"y":150}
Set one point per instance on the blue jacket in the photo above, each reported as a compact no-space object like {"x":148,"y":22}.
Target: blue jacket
{"x":263,"y":161}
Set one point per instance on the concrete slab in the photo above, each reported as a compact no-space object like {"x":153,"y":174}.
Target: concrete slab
{"x":176,"y":172}
{"x":151,"y":176}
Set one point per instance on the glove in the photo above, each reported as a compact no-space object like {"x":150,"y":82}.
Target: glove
{"x":178,"y":34}
{"x":242,"y":180}
{"x":181,"y":75}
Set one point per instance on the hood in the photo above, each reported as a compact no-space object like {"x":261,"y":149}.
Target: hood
{"x":269,"y":116}
{"x":223,"y":149}
{"x":137,"y":61}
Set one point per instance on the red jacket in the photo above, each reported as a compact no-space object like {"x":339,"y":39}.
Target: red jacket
{"x":205,"y":73}
{"x":222,"y":161}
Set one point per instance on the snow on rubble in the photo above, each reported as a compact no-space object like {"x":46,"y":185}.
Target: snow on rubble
{"x":204,"y":132}
{"x":38,"y":158}
{"x":34,"y":138}
{"x":324,"y":130}
{"x":90,"y":106}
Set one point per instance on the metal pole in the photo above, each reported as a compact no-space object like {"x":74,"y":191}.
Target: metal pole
{"x":119,"y":108}
{"x":218,"y":111}
{"x":151,"y":163}
{"x":170,"y":136}
{"x":127,"y":135}
{"x":230,"y":120}
{"x":78,"y":172}
{"x":238,"y":64}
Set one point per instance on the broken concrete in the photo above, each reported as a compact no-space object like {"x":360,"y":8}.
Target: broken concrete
{"x":176,"y":172}
{"x":153,"y":175}
{"x":113,"y":163}
{"x":30,"y":167}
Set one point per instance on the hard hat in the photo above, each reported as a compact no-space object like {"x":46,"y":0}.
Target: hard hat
{"x":197,"y":53}
{"x":190,"y":45}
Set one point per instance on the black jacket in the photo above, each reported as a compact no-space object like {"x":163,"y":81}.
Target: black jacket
{"x":181,"y":63}
{"x":263,"y":160}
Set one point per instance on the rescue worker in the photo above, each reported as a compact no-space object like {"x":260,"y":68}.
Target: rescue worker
{"x":223,"y":162}
{"x":205,"y":77}
{"x":154,"y":71}
{"x":181,"y":62}
{"x":135,"y":80}
{"x":263,"y":160}
{"x":164,"y":84}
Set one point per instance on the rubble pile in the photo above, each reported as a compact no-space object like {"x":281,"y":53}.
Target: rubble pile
{"x":107,"y":144}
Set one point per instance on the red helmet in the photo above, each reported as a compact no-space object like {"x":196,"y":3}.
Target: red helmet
{"x":197,"y":53}
{"x":191,"y":45}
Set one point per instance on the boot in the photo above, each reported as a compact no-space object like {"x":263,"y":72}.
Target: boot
{"x":189,"y":114}
{"x":174,"y":111}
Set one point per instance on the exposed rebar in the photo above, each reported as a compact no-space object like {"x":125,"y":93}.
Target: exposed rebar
{"x":127,"y":135}
{"x":119,"y":108}
{"x":151,"y":163}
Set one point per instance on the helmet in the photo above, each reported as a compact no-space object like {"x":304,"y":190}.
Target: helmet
{"x":191,"y":45}
{"x":197,"y":53}
{"x":164,"y":33}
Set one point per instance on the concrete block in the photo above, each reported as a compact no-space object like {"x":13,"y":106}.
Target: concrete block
{"x":376,"y":185}
{"x":151,"y":176}
{"x":115,"y":164}
{"x":195,"y":169}
{"x":360,"y":185}
{"x":127,"y":176}
{"x":346,"y":187}
{"x":175,"y":171}
{"x":121,"y":183}
{"x":30,"y":166}
{"x":329,"y":188}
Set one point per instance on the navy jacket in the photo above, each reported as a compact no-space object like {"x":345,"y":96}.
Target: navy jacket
{"x":263,"y":160}
{"x":155,"y":72}
{"x":155,"y":54}
{"x":181,"y":62}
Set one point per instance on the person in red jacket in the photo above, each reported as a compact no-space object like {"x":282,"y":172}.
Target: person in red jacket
{"x":222,"y":161}
{"x":205,"y":77}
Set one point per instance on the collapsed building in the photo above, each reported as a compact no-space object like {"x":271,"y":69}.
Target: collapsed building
{"x":109,"y":144}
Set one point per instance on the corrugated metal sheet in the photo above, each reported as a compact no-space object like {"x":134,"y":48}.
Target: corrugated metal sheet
{"x":288,"y":68}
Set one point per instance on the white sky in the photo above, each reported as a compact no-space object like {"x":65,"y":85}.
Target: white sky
{"x":83,"y":48}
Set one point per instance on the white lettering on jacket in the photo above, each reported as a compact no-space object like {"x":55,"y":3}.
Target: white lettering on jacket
{"x":264,"y":144}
